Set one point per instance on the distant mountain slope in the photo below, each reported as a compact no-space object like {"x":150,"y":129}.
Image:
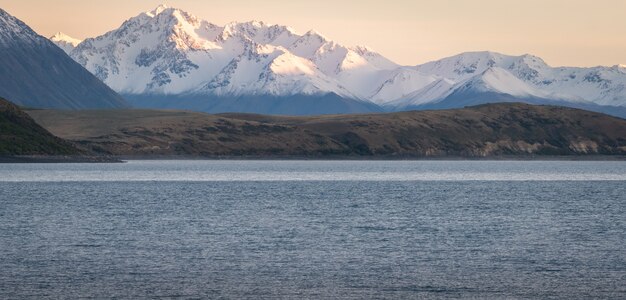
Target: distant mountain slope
{"x":295,"y":105}
{"x":169,"y":58}
{"x":482,"y":131}
{"x":20,"y":135}
{"x":36,"y":73}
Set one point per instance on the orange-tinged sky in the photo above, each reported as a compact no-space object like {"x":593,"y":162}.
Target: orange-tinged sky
{"x":563,"y":32}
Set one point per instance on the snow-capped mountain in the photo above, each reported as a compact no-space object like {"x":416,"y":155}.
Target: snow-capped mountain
{"x":169,"y":58}
{"x":170,"y":52}
{"x":524,"y":77}
{"x":36,"y":73}
{"x":65,"y":42}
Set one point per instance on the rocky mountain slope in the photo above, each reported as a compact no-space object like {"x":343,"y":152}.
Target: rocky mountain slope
{"x":36,"y":73}
{"x":481,"y":131}
{"x":170,"y":58}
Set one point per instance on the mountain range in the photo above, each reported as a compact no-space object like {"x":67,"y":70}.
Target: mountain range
{"x":168,"y":58}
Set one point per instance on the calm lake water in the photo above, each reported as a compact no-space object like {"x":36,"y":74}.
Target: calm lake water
{"x":313,"y":229}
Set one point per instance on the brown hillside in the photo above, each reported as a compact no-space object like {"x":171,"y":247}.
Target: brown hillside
{"x":481,"y":131}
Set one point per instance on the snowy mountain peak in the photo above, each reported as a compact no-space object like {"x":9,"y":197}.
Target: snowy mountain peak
{"x":164,"y":17}
{"x":161,"y":8}
{"x":374,"y":57}
{"x":256,"y":23}
{"x":62,"y":37}
{"x":533,"y":58}
{"x":621,"y":68}
{"x":533,"y":61}
{"x":315,"y":34}
{"x":175,"y":16}
{"x":65,"y":42}
{"x":469,"y":64}
{"x":308,"y":44}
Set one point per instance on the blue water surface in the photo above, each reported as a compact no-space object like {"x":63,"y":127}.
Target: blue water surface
{"x":313,"y":229}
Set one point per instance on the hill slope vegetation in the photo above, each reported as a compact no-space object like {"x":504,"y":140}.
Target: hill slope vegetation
{"x":20,"y":135}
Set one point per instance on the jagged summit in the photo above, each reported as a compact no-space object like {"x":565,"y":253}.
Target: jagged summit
{"x":316,"y":34}
{"x":159,"y":9}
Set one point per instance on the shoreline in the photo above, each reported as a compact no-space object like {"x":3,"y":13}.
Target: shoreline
{"x":124,"y":158}
{"x":383,"y":158}
{"x":58,"y":159}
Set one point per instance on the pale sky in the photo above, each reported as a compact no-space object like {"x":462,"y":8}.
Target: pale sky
{"x":410,"y":32}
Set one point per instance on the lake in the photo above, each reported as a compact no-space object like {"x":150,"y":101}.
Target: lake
{"x":314,"y":229}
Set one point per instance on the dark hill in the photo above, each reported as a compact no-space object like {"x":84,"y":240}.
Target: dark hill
{"x":481,"y":131}
{"x":20,"y":135}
